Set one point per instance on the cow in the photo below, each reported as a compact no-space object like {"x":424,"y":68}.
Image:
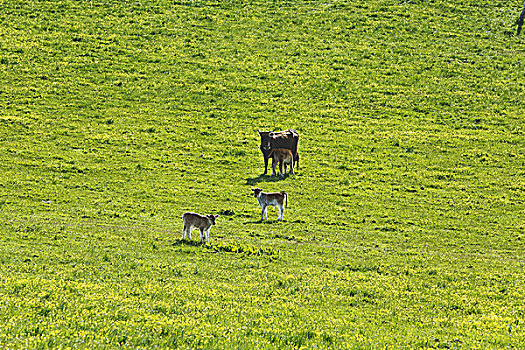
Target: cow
{"x":284,"y":157}
{"x":288,"y":139}
{"x":279,"y":199}
{"x":202,"y":222}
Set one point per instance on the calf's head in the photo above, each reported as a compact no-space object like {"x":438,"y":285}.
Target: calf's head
{"x":256,"y":191}
{"x":212,"y":218}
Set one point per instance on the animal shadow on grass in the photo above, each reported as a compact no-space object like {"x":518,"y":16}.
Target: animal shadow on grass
{"x":265,"y":178}
{"x":191,"y":243}
{"x":267,"y":222}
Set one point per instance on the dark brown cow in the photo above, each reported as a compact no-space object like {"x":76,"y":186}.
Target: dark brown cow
{"x":288,"y":139}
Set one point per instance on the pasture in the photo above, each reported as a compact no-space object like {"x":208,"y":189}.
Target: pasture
{"x":405,"y":225}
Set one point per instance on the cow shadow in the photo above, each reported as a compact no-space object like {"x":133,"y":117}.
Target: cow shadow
{"x":265,"y":178}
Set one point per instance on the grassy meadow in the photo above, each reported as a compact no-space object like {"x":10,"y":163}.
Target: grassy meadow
{"x":405,"y":227}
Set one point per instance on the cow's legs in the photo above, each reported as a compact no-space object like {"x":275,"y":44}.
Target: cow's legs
{"x":263,"y":213}
{"x":292,"y":169}
{"x":202,"y":234}
{"x":207,"y":236}
{"x":274,"y":164}
{"x":281,"y":167}
{"x":265,"y":165}
{"x":184,"y":232}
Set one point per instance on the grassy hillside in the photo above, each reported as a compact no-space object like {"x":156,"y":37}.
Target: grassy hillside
{"x":405,"y":226}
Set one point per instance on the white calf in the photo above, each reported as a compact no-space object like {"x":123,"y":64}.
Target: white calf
{"x":276,"y":199}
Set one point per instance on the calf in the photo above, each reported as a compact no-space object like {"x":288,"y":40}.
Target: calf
{"x":203,"y":223}
{"x":279,"y":199}
{"x":283,"y":156}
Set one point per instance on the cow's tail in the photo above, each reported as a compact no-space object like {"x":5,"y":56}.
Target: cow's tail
{"x":285,"y":198}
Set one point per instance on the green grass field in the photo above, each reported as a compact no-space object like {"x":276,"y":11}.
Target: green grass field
{"x":405,"y":227}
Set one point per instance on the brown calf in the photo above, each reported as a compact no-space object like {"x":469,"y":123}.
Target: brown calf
{"x":203,"y":223}
{"x":283,"y":156}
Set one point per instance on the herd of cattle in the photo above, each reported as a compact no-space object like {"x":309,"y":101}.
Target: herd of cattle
{"x":281,"y":147}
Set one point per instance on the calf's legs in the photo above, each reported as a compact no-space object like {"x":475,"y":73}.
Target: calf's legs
{"x":281,"y":212}
{"x":264,"y":214}
{"x":186,"y":231}
{"x":205,"y":233}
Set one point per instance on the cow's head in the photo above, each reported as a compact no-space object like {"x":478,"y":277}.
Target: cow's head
{"x":256,"y":191}
{"x":265,"y":140}
{"x":212,"y":218}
